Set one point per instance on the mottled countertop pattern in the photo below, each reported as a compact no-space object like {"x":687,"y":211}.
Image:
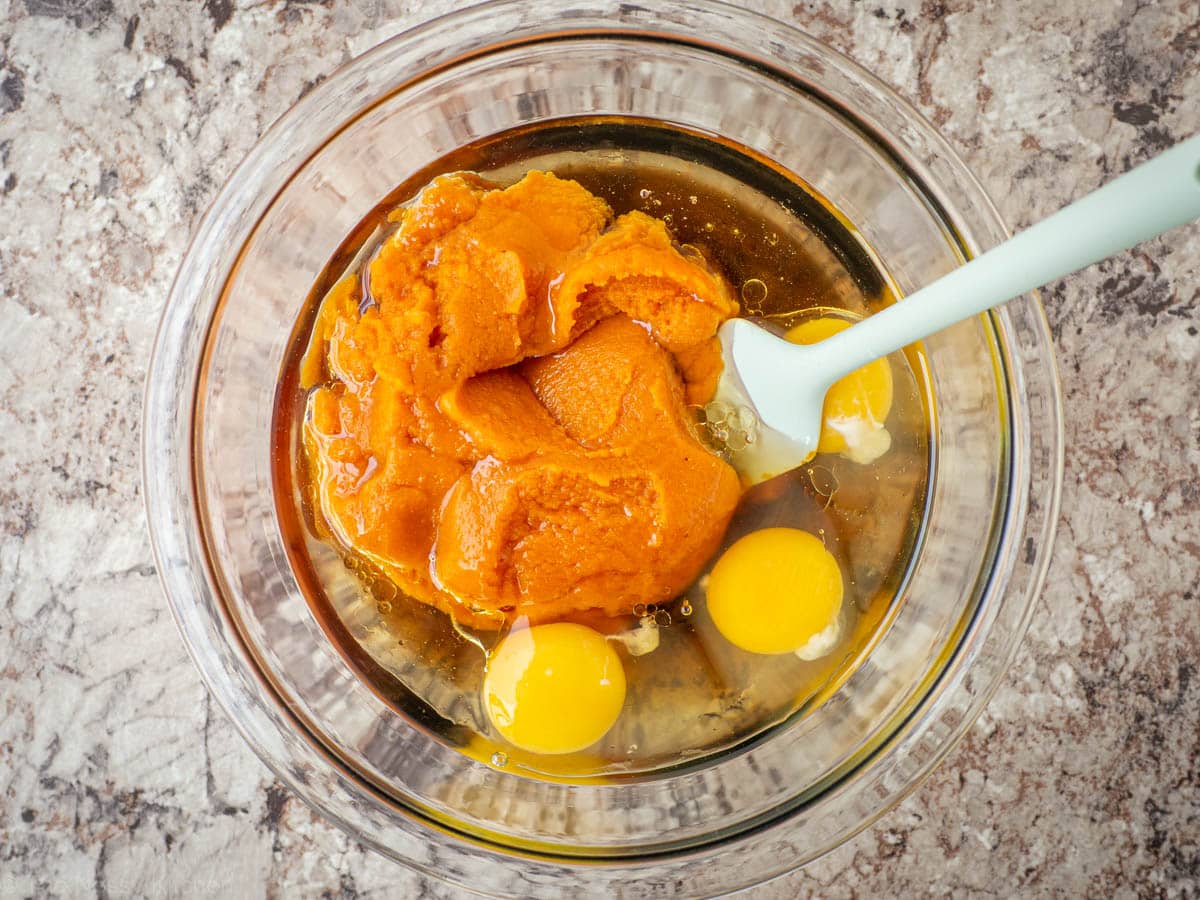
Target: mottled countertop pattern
{"x":118,"y":777}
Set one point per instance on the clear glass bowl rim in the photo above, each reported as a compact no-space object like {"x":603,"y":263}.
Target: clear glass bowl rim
{"x":180,"y":557}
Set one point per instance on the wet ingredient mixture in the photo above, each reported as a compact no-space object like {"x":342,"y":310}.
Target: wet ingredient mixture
{"x":502,"y":427}
{"x":503,"y":478}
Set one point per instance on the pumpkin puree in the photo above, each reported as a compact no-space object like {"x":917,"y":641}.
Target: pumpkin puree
{"x":503,"y":429}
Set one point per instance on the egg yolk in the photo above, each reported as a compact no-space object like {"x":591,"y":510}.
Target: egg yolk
{"x":554,"y":688}
{"x":857,"y":406}
{"x":777,"y":590}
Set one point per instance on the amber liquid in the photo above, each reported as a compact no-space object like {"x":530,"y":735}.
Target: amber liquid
{"x":792,"y":256}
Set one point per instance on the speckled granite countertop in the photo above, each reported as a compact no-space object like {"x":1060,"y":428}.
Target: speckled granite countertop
{"x":118,"y":120}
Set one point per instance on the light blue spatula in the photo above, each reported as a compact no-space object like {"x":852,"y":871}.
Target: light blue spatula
{"x":784,"y":384}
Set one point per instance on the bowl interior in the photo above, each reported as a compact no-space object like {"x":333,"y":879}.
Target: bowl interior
{"x":823,"y":773}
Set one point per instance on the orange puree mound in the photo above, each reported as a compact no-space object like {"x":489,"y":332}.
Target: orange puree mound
{"x":503,"y":431}
{"x":464,"y":284}
{"x":624,"y":512}
{"x":635,"y":268}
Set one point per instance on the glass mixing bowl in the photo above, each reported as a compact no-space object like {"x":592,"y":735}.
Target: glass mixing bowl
{"x":746,"y":815}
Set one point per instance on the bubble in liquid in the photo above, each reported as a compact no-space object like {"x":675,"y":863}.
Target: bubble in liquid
{"x":824,"y":482}
{"x":710,"y":227}
{"x":685,"y":608}
{"x":754,"y":293}
{"x":639,"y":609}
{"x":744,"y":418}
{"x":718,"y":412}
{"x":662,"y":618}
{"x":499,"y":759}
{"x":644,"y":193}
{"x":384,"y":607}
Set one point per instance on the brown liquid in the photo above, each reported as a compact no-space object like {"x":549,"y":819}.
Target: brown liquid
{"x":695,"y":694}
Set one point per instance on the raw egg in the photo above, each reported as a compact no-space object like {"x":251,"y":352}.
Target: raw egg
{"x":554,"y":688}
{"x":857,"y":406}
{"x":777,"y":590}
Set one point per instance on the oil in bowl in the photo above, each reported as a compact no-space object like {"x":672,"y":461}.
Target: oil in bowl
{"x":688,"y":690}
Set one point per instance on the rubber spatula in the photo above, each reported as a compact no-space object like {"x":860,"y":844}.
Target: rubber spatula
{"x":784,"y":384}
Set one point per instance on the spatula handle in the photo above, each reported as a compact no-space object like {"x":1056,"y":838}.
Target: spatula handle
{"x":1157,"y":196}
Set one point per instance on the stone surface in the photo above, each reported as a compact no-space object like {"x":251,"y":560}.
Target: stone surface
{"x":119,"y":119}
